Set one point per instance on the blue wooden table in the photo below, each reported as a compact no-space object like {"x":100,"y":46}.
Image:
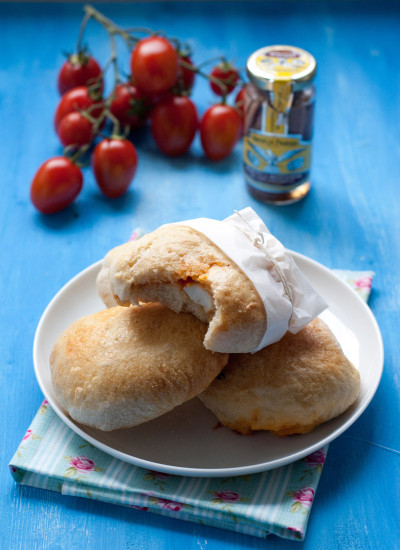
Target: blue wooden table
{"x":349,"y":220}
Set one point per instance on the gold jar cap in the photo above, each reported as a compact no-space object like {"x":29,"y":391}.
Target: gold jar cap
{"x":281,"y":64}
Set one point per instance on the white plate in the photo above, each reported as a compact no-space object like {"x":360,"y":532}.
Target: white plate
{"x":185,"y":441}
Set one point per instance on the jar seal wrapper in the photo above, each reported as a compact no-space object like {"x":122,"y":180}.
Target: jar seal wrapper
{"x":288,"y":297}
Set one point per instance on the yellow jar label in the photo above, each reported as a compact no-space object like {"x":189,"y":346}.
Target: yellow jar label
{"x":282,"y":98}
{"x":283,"y":63}
{"x":276,"y":159}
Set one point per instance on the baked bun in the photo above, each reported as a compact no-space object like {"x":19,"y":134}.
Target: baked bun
{"x":124,"y":366}
{"x":289,"y":387}
{"x":103,"y":286}
{"x":184,"y":270}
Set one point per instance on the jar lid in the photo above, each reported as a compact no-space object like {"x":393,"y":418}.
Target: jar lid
{"x":281,"y":64}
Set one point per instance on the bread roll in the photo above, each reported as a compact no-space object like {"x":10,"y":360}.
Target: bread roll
{"x":184,"y":270}
{"x":289,"y":387}
{"x":124,"y":366}
{"x":103,"y":286}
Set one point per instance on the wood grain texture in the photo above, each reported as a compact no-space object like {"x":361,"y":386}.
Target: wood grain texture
{"x":349,"y":220}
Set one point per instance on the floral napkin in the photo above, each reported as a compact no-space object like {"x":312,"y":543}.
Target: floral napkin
{"x":51,"y":456}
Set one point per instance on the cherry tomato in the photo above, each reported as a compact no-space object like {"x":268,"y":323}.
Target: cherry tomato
{"x":75,"y":129}
{"x":77,"y":99}
{"x":114,"y":163}
{"x":174,"y":123}
{"x":239,"y":102}
{"x":56,"y":184}
{"x":229,"y":77}
{"x":186,"y":76}
{"x":158,"y":98}
{"x":130,"y":106}
{"x":220,"y":129}
{"x":78,"y":70}
{"x":154,"y":65}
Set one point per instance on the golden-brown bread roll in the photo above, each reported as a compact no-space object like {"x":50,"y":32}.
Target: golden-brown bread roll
{"x":124,"y":366}
{"x":289,"y":387}
{"x":184,"y":270}
{"x":103,"y":285}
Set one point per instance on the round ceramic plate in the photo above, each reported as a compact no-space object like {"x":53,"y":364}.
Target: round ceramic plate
{"x":186,"y":441}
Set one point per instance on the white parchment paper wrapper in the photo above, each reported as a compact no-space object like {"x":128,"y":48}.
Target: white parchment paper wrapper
{"x":288,"y":297}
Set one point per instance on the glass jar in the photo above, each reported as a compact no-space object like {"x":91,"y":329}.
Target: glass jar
{"x":278,"y":127}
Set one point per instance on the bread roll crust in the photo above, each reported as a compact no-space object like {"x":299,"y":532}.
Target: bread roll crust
{"x":124,"y":366}
{"x":161,"y":264}
{"x":289,"y":387}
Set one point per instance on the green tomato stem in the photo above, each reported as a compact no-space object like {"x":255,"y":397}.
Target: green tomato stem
{"x":85,"y":21}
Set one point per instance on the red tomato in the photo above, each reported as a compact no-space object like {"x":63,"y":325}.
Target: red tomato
{"x":129,"y":105}
{"x":114,"y":163}
{"x":154,"y":65}
{"x":77,"y":99}
{"x":229,"y":77}
{"x":155,"y":99}
{"x":220,"y":129}
{"x":174,"y":123}
{"x":75,"y":129}
{"x":78,"y":70}
{"x":239,"y":102}
{"x":186,"y":76}
{"x":56,"y":184}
